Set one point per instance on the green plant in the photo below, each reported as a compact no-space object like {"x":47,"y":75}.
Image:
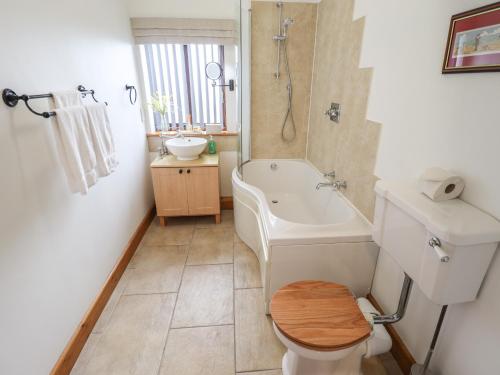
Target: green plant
{"x":161,"y":103}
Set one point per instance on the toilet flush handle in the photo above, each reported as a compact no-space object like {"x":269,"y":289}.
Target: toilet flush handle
{"x":435,"y":243}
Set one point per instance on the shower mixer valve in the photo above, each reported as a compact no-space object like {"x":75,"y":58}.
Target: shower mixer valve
{"x":334,"y":112}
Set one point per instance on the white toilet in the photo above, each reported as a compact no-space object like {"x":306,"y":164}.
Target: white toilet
{"x":445,"y":248}
{"x":324,"y":329}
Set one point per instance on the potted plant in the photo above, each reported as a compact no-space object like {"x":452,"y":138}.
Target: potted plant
{"x":161,"y":104}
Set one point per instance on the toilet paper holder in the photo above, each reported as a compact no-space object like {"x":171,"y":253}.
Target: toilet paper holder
{"x":435,"y":243}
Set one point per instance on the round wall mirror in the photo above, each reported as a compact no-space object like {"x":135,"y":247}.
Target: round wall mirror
{"x":213,"y":71}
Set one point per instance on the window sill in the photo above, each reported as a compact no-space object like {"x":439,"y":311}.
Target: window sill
{"x":194,"y":134}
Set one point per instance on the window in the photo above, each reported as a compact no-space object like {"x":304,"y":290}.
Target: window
{"x":177,"y":71}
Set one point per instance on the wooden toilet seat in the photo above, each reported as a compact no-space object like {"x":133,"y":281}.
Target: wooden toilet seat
{"x":319,"y":315}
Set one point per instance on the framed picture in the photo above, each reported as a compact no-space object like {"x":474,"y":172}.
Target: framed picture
{"x":474,"y":41}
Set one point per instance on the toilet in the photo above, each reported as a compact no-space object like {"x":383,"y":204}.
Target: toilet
{"x":325,"y":329}
{"x":444,"y":248}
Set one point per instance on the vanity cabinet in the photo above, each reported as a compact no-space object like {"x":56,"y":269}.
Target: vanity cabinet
{"x":186,"y":188}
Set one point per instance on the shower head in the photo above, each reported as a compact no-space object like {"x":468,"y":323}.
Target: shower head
{"x":284,"y":29}
{"x":287,"y":22}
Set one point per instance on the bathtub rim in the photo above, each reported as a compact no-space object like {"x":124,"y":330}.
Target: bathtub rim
{"x":279,"y":231}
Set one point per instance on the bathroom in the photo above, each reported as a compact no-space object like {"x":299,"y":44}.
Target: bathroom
{"x":298,"y":119}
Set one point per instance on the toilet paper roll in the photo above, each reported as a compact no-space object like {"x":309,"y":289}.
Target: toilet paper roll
{"x":441,"y":185}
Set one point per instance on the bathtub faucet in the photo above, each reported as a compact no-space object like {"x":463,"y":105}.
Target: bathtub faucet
{"x":323,"y":184}
{"x":340,"y":184}
{"x":337,"y":185}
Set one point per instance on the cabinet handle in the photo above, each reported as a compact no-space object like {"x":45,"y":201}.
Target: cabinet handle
{"x":189,"y":171}
{"x":180,"y":171}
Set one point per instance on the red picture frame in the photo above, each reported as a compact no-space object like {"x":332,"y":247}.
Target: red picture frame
{"x":474,"y":41}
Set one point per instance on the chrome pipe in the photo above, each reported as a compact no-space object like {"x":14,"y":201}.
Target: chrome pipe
{"x":418,"y":369}
{"x":403,"y":303}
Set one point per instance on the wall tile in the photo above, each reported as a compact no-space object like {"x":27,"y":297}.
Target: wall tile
{"x":349,"y":147}
{"x":269,"y":95}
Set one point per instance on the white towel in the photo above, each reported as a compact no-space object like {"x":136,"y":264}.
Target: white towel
{"x":102,"y":138}
{"x":68,"y":98}
{"x":76,"y":149}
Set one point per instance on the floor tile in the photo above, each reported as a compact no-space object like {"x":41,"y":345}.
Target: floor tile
{"x":237,"y":238}
{"x":202,"y":350}
{"x":112,"y":302}
{"x":182,"y":220}
{"x":86,"y":354}
{"x":226,"y":220}
{"x":205,"y":296}
{"x":373,"y":366}
{"x":157,"y":270}
{"x":269,"y":372}
{"x":246,"y":267}
{"x":172,"y":234}
{"x":257,"y":347}
{"x":212,"y":245}
{"x":133,"y":342}
{"x":390,"y":364}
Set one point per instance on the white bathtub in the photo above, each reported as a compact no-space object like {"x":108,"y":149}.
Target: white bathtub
{"x":298,"y":232}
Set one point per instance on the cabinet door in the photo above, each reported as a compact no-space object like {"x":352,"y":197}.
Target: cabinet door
{"x":203,"y":190}
{"x":170,"y":191}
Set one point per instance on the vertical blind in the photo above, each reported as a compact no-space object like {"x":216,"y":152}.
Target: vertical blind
{"x":178,"y":71}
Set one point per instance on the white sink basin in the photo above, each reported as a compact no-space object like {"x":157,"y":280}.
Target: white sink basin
{"x":186,"y":148}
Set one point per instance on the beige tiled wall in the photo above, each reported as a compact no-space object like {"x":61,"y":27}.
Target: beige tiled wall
{"x":269,"y":96}
{"x":350,"y":147}
{"x":224,"y":143}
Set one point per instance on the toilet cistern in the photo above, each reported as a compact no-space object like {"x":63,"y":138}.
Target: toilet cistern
{"x":443,"y":247}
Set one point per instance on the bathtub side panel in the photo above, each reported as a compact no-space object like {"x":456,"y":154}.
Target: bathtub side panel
{"x":246,"y":225}
{"x":250,"y":229}
{"x":350,"y":264}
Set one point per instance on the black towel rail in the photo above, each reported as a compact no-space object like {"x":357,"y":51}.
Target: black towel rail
{"x":10,"y":98}
{"x":132,"y":93}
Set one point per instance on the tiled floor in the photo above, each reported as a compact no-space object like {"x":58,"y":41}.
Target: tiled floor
{"x":190,"y":303}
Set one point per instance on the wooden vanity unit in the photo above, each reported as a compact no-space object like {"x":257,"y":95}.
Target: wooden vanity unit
{"x":186,"y":188}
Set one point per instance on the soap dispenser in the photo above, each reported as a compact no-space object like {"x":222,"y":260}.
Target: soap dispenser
{"x":212,"y":147}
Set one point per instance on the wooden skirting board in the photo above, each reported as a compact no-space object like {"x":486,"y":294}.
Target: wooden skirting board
{"x":226,"y":203}
{"x":70,"y":354}
{"x":399,"y":350}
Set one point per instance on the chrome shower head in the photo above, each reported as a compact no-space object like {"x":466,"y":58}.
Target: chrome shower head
{"x":288,"y":22}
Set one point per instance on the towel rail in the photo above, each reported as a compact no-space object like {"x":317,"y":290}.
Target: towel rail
{"x":11,"y":99}
{"x":132,"y":93}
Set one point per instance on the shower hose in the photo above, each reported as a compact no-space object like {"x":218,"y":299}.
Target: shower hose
{"x":289,"y":112}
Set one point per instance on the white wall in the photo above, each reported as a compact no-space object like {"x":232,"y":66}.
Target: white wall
{"x":56,"y":248}
{"x":433,"y":119}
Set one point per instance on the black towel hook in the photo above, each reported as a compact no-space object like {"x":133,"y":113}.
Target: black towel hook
{"x":132,"y":93}
{"x":86,"y":92}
